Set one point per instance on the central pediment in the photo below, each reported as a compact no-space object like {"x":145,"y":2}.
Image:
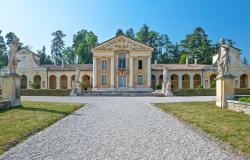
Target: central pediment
{"x":122,"y":43}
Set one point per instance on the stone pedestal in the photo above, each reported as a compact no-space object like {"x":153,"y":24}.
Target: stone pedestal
{"x":76,"y":88}
{"x":224,"y":90}
{"x":169,"y":90}
{"x":11,"y":84}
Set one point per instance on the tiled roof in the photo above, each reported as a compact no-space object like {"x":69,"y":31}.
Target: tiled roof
{"x":69,"y":67}
{"x":181,"y":66}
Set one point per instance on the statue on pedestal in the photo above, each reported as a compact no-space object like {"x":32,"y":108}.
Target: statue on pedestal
{"x":11,"y":82}
{"x":166,"y":85}
{"x":76,"y":86}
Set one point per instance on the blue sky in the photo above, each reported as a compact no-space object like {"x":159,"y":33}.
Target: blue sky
{"x":34,"y":20}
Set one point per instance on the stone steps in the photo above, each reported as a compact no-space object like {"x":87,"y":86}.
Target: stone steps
{"x":123,"y":94}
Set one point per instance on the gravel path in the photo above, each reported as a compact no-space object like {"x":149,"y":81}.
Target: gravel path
{"x":118,"y":128}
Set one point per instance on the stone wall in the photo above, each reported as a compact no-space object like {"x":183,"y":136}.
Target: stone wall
{"x":238,"y":106}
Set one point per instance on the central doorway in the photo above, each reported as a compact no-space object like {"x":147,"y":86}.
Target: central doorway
{"x":122,"y":81}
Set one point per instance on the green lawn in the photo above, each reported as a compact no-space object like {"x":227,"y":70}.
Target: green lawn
{"x":19,"y":123}
{"x":231,"y":127}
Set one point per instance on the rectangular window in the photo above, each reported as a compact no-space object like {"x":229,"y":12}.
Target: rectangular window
{"x":104,"y":64}
{"x":139,"y":64}
{"x":104,"y":80}
{"x":140,"y":80}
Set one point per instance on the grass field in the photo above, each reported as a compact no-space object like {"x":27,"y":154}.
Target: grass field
{"x":231,"y":127}
{"x":19,"y":123}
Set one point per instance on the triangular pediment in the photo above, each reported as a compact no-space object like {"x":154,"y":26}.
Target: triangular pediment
{"x":122,"y":43}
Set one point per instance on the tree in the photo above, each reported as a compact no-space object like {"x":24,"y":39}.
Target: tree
{"x":119,"y":32}
{"x":183,"y":58}
{"x":44,"y":59}
{"x":83,"y":41}
{"x":69,"y":55}
{"x":57,"y":46}
{"x":3,"y":52}
{"x":198,"y":44}
{"x":130,"y":33}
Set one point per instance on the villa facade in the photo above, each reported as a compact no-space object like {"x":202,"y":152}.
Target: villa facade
{"x":123,"y":64}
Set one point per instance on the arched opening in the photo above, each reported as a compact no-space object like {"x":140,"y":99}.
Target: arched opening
{"x":72,"y":79}
{"x":197,"y":81}
{"x":63,"y":82}
{"x":85,"y":82}
{"x":153,"y":81}
{"x":174,"y":81}
{"x":212,"y":81}
{"x":185,"y":81}
{"x":23,"y":82}
{"x":243,"y":81}
{"x":160,"y":79}
{"x":37,"y":82}
{"x":52,"y":82}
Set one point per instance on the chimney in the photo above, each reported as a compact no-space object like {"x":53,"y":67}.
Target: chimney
{"x":62,"y":64}
{"x":156,"y":61}
{"x":186,"y":61}
{"x":195,"y":60}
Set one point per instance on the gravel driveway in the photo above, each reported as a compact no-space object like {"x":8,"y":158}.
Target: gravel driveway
{"x":118,"y":128}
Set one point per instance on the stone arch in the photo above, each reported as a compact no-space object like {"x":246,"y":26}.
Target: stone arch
{"x":72,"y":79}
{"x":37,"y":82}
{"x":213,"y":81}
{"x":63,"y":82}
{"x":153,"y":81}
{"x":23,"y":82}
{"x":185,"y":81}
{"x":197,"y":81}
{"x":174,"y":81}
{"x":85,"y":82}
{"x":243,"y":81}
{"x":160,"y":79}
{"x":52,"y":82}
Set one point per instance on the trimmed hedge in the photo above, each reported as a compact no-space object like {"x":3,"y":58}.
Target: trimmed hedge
{"x":45,"y":92}
{"x":195,"y":92}
{"x":242,"y":91}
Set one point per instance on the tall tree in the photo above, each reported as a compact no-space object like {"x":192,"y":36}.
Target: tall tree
{"x":9,"y":40}
{"x":69,"y":55}
{"x":3,"y":52}
{"x":130,"y":33}
{"x":83,"y":41}
{"x":44,"y":58}
{"x":245,"y":60}
{"x":198,"y":44}
{"x":119,"y":32}
{"x":57,"y":46}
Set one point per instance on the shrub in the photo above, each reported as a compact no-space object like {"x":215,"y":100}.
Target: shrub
{"x":195,"y":92}
{"x":45,"y":92}
{"x":245,"y":99}
{"x":158,"y":87}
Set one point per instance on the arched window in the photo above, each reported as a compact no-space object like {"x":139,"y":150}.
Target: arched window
{"x":185,"y":81}
{"x":23,"y":82}
{"x":174,"y":81}
{"x":243,"y":81}
{"x":122,"y":62}
{"x":197,"y":81}
{"x":72,"y":79}
{"x":63,"y":82}
{"x":37,"y":82}
{"x":153,"y":81}
{"x":212,"y":81}
{"x":52,"y":82}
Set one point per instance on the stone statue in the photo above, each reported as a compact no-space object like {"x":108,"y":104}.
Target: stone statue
{"x":223,"y":59}
{"x":12,"y":60}
{"x":77,"y":73}
{"x":165,"y":75}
